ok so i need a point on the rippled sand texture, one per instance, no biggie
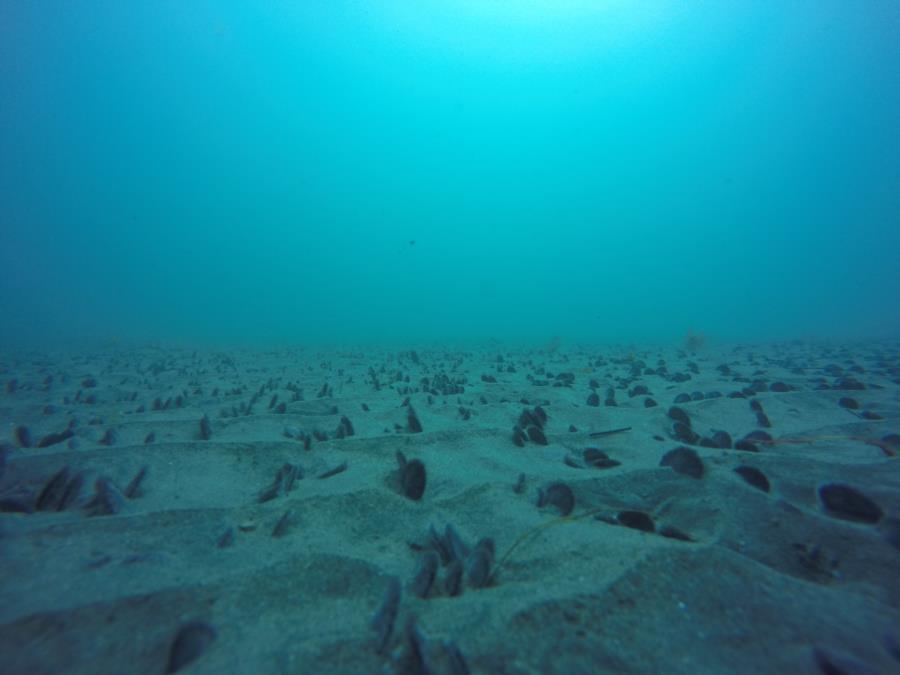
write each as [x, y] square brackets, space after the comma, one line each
[732, 578]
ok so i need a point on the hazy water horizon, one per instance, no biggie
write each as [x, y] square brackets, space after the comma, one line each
[348, 173]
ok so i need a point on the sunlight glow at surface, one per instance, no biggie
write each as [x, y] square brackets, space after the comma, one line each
[540, 11]
[504, 31]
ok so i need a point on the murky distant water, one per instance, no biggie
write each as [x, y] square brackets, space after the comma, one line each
[356, 172]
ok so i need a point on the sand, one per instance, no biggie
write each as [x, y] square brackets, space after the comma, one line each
[767, 582]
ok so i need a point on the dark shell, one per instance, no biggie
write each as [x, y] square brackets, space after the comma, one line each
[891, 642]
[111, 437]
[423, 577]
[834, 663]
[226, 539]
[383, 620]
[518, 437]
[892, 441]
[536, 435]
[205, 428]
[53, 491]
[23, 436]
[340, 468]
[843, 501]
[559, 495]
[519, 487]
[453, 578]
[754, 477]
[457, 546]
[528, 418]
[191, 641]
[413, 424]
[440, 545]
[684, 461]
[599, 459]
[54, 438]
[672, 532]
[478, 564]
[134, 487]
[572, 461]
[676, 414]
[637, 520]
[284, 524]
[72, 492]
[684, 433]
[413, 479]
[593, 455]
[15, 505]
[890, 530]
[758, 436]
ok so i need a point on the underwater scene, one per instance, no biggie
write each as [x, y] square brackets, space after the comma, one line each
[449, 337]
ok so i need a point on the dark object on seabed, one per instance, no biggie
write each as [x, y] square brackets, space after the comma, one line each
[205, 428]
[683, 433]
[226, 539]
[597, 458]
[677, 414]
[413, 424]
[50, 497]
[518, 437]
[753, 477]
[284, 482]
[412, 476]
[478, 563]
[419, 654]
[111, 437]
[191, 642]
[284, 523]
[559, 495]
[684, 461]
[72, 493]
[134, 487]
[636, 520]
[599, 434]
[383, 620]
[536, 435]
[345, 428]
[848, 503]
[23, 436]
[108, 499]
[54, 438]
[425, 573]
[340, 468]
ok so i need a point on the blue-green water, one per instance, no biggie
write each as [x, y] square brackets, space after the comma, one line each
[601, 171]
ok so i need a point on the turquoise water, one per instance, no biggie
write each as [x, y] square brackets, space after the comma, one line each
[351, 172]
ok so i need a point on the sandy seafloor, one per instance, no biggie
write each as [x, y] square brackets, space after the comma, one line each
[768, 582]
